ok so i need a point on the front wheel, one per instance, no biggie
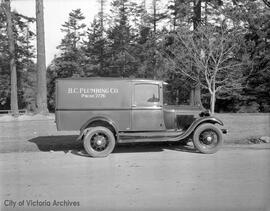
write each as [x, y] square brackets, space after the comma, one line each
[99, 142]
[207, 138]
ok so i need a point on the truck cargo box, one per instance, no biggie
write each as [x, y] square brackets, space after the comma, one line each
[77, 100]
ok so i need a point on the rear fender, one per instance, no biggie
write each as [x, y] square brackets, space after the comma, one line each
[99, 121]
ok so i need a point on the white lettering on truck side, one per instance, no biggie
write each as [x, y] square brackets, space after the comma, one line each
[92, 92]
[113, 90]
[73, 90]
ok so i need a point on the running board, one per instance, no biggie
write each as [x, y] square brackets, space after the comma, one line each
[138, 140]
[150, 137]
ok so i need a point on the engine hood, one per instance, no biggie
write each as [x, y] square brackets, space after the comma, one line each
[184, 109]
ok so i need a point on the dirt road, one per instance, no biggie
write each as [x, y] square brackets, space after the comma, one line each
[146, 178]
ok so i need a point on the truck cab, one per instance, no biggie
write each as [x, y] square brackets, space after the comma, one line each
[108, 111]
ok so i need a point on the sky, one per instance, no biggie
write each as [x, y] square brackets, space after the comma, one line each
[55, 14]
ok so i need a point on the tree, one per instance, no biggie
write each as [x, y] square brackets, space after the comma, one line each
[94, 50]
[214, 57]
[190, 13]
[41, 60]
[71, 61]
[102, 40]
[24, 55]
[4, 62]
[74, 30]
[120, 37]
[179, 13]
[253, 18]
[95, 45]
[257, 87]
[267, 2]
[195, 94]
[156, 17]
[11, 45]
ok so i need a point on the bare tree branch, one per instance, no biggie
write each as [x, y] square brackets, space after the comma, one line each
[267, 3]
[211, 52]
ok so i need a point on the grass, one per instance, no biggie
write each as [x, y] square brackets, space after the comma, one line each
[245, 128]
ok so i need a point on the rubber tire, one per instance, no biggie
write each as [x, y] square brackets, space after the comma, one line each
[197, 143]
[90, 150]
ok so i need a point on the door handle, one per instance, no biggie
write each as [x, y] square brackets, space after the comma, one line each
[134, 105]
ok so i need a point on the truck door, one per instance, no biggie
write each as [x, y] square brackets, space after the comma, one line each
[147, 111]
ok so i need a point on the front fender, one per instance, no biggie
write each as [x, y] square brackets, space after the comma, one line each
[201, 120]
[195, 124]
[208, 119]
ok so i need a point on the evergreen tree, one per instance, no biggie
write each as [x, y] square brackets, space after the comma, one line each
[120, 37]
[74, 30]
[149, 42]
[179, 13]
[95, 45]
[95, 52]
[41, 60]
[5, 6]
[71, 60]
[102, 41]
[24, 54]
[4, 63]
[256, 19]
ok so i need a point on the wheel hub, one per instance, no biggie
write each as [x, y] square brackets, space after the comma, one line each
[99, 142]
[207, 138]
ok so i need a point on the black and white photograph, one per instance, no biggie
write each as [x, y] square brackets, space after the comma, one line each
[135, 105]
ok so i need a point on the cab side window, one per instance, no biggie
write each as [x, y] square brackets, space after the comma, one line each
[146, 94]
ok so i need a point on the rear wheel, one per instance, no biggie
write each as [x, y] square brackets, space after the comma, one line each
[207, 138]
[99, 142]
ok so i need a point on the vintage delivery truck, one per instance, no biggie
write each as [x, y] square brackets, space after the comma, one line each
[108, 111]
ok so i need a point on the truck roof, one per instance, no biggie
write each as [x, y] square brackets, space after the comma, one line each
[114, 79]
